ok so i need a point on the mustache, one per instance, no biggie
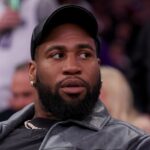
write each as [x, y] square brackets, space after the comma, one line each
[73, 81]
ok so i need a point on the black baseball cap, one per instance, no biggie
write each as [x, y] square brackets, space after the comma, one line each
[66, 14]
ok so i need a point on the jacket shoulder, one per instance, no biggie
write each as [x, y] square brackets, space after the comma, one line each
[16, 119]
[117, 135]
[122, 126]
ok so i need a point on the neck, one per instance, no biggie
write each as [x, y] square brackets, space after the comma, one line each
[40, 112]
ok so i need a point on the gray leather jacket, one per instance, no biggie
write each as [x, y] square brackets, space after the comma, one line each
[98, 132]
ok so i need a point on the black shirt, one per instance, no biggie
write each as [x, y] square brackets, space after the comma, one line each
[27, 139]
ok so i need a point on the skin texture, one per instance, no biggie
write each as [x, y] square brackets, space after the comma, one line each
[67, 58]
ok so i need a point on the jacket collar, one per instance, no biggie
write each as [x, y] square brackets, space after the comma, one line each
[95, 121]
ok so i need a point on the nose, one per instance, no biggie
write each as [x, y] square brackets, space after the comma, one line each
[71, 66]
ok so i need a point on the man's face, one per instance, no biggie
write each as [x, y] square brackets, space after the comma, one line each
[22, 92]
[66, 71]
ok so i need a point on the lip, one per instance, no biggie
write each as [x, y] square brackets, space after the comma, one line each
[72, 86]
[73, 90]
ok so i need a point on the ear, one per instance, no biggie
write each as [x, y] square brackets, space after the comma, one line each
[32, 72]
[99, 61]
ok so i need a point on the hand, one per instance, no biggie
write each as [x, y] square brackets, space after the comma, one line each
[9, 20]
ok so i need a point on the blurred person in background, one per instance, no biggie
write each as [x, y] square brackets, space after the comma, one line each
[22, 91]
[121, 22]
[117, 96]
[17, 20]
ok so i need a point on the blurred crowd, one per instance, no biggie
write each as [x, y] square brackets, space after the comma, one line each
[125, 40]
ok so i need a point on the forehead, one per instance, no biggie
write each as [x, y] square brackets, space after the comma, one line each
[21, 81]
[66, 35]
[21, 77]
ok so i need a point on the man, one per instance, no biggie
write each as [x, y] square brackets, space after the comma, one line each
[65, 72]
[22, 92]
[16, 23]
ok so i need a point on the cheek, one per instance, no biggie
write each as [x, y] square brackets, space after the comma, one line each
[47, 74]
[92, 74]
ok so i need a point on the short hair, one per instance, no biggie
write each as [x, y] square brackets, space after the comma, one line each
[22, 66]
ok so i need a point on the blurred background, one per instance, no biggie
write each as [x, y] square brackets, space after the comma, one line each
[125, 45]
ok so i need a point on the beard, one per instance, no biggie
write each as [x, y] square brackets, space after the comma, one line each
[55, 104]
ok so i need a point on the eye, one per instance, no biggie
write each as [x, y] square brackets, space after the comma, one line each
[57, 55]
[26, 94]
[85, 55]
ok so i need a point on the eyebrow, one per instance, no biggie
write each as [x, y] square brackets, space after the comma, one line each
[58, 47]
[83, 46]
[63, 48]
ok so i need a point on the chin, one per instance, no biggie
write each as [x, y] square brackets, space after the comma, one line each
[73, 99]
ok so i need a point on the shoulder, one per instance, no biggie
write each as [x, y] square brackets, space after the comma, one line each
[125, 135]
[15, 120]
[117, 134]
[123, 127]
